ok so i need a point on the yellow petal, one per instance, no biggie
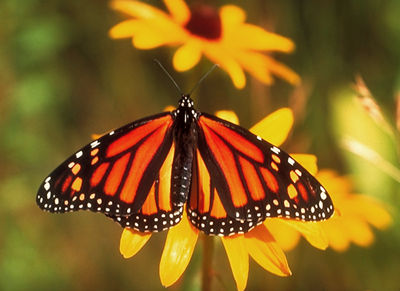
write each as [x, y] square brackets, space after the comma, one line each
[338, 186]
[179, 10]
[137, 9]
[312, 231]
[263, 248]
[255, 63]
[260, 39]
[150, 36]
[169, 108]
[238, 259]
[94, 136]
[228, 115]
[372, 211]
[178, 250]
[359, 232]
[275, 127]
[231, 17]
[219, 56]
[338, 239]
[283, 71]
[187, 56]
[127, 28]
[152, 28]
[132, 242]
[285, 236]
[309, 162]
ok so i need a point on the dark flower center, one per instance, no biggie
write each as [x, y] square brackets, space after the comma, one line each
[204, 22]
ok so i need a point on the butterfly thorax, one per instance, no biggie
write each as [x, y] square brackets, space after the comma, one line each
[185, 140]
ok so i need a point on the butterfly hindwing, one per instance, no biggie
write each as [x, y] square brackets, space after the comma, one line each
[253, 180]
[119, 174]
[205, 209]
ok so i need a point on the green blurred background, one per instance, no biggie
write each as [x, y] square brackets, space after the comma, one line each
[62, 78]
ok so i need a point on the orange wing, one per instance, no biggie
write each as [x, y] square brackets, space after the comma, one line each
[240, 180]
[125, 174]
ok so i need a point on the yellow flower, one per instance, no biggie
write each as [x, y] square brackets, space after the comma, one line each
[355, 213]
[258, 243]
[351, 223]
[222, 36]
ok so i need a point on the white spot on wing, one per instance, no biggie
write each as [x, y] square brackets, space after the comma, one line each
[95, 144]
[275, 150]
[290, 161]
[46, 186]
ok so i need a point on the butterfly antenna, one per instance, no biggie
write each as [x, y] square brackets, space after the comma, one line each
[203, 77]
[169, 76]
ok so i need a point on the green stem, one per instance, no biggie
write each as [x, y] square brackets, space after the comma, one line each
[208, 250]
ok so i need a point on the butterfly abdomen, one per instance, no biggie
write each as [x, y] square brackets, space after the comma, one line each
[181, 179]
[185, 140]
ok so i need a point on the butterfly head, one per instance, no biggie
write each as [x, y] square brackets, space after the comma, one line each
[186, 101]
[185, 110]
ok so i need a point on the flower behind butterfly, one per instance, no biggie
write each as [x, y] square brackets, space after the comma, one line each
[221, 35]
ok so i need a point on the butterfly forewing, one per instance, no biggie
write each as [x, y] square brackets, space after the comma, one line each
[157, 212]
[253, 180]
[119, 174]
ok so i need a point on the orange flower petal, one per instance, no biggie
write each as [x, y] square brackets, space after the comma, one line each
[152, 28]
[95, 136]
[309, 162]
[260, 39]
[275, 127]
[359, 232]
[228, 63]
[231, 17]
[312, 231]
[228, 115]
[263, 248]
[238, 259]
[339, 186]
[149, 36]
[341, 231]
[137, 9]
[338, 239]
[283, 71]
[125, 29]
[132, 242]
[372, 211]
[178, 250]
[187, 56]
[179, 10]
[256, 64]
[169, 108]
[286, 236]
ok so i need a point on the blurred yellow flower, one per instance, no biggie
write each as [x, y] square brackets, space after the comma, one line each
[222, 36]
[355, 214]
[258, 243]
[351, 223]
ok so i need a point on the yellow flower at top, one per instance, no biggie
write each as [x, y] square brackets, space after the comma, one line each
[221, 35]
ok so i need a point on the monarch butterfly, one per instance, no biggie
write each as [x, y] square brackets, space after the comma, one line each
[146, 173]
